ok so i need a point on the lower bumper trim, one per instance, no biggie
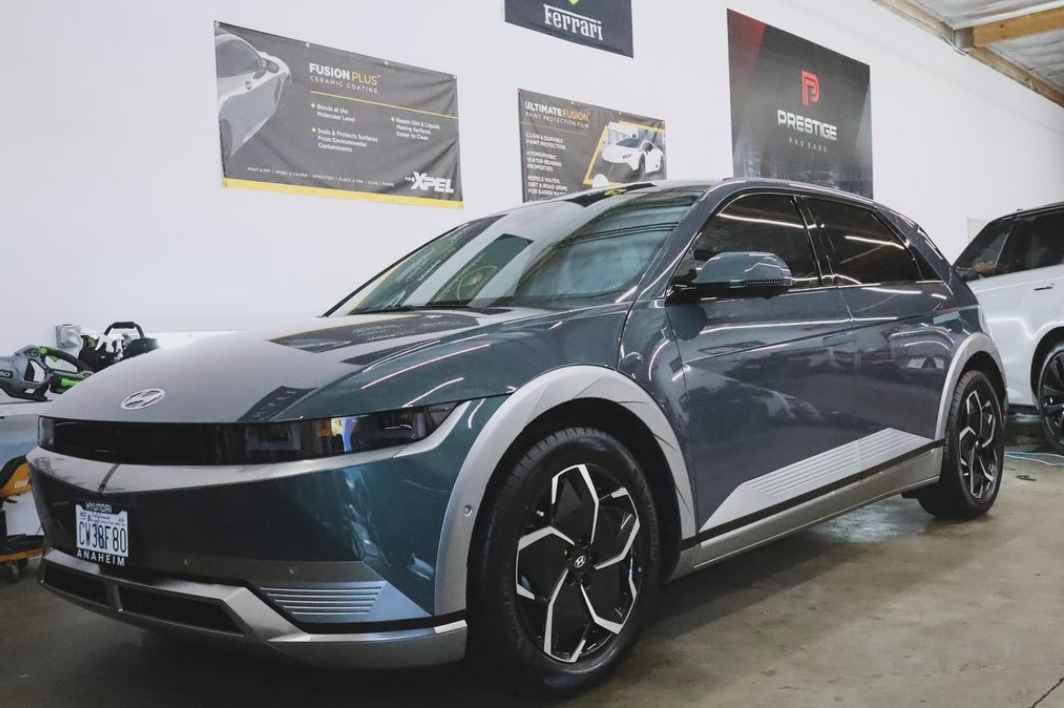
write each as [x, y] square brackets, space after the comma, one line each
[236, 614]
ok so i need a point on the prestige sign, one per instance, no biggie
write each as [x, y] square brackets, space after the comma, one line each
[603, 24]
[799, 111]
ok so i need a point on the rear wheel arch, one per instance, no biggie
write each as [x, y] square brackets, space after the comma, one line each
[1048, 342]
[545, 401]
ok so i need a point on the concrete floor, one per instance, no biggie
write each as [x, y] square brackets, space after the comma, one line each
[883, 607]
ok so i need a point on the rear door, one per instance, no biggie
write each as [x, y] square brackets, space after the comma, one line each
[902, 319]
[1020, 286]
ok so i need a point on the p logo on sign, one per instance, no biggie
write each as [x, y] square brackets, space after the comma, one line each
[810, 88]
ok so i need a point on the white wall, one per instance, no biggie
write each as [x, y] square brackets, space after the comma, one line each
[111, 204]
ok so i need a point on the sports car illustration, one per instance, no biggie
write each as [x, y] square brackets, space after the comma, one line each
[500, 446]
[642, 156]
[250, 86]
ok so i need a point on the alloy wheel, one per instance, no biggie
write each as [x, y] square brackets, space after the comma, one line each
[578, 568]
[977, 443]
[1051, 397]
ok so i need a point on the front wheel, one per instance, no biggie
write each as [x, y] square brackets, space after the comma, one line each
[974, 453]
[1051, 398]
[565, 565]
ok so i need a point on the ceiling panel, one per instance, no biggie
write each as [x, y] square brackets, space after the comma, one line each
[965, 13]
[1041, 54]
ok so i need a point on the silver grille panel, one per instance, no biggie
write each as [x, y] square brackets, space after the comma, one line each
[327, 602]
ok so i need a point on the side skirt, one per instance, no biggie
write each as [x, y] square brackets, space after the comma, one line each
[905, 475]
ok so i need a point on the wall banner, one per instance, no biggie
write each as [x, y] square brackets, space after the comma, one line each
[569, 147]
[296, 117]
[603, 24]
[799, 111]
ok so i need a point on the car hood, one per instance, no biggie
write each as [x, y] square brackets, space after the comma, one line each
[618, 153]
[349, 365]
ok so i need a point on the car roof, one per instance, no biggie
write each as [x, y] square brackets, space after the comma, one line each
[1058, 206]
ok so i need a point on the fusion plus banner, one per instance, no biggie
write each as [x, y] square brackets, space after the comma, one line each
[799, 111]
[296, 117]
[603, 24]
[569, 147]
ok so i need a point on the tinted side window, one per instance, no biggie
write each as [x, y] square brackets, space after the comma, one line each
[762, 224]
[862, 249]
[980, 258]
[1039, 244]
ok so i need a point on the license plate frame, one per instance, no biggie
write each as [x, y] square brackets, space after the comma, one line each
[102, 532]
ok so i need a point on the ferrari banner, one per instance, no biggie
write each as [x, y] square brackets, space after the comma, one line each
[569, 147]
[296, 117]
[603, 24]
[799, 111]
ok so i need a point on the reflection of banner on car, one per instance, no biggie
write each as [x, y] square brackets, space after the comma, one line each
[568, 146]
[799, 111]
[298, 118]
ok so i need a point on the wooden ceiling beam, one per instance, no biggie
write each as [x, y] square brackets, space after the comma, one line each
[1017, 27]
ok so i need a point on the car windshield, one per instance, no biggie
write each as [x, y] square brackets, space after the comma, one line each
[591, 248]
[628, 142]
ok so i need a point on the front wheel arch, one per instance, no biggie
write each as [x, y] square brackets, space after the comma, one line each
[535, 398]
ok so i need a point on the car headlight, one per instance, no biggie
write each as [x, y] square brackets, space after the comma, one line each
[238, 443]
[372, 431]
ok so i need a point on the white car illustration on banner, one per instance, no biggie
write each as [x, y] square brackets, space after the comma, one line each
[250, 85]
[641, 155]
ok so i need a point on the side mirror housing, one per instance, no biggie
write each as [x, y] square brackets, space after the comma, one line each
[272, 67]
[740, 274]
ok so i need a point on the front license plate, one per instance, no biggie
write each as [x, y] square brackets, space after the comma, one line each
[102, 532]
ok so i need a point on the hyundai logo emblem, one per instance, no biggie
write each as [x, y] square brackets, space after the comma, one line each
[579, 562]
[143, 399]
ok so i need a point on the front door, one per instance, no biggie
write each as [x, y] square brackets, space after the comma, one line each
[768, 379]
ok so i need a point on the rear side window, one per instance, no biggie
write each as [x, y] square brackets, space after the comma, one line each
[758, 224]
[980, 259]
[861, 247]
[1038, 243]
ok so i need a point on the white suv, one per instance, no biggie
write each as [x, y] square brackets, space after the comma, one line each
[1015, 266]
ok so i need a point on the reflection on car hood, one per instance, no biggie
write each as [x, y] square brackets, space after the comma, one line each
[348, 365]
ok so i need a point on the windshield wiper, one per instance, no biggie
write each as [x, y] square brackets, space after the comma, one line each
[446, 305]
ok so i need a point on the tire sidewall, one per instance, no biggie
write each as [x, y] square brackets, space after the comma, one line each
[497, 629]
[952, 473]
[1056, 443]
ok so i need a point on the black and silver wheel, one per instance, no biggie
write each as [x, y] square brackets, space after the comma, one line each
[1051, 398]
[974, 452]
[566, 563]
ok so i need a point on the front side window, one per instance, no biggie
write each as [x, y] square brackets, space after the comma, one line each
[862, 249]
[1038, 243]
[756, 224]
[585, 250]
[982, 256]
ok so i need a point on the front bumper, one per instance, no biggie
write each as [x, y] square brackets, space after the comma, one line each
[238, 616]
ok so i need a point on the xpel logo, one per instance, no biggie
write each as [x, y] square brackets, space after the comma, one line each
[422, 181]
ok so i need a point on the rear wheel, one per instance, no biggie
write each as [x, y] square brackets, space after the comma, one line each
[565, 566]
[974, 453]
[1051, 398]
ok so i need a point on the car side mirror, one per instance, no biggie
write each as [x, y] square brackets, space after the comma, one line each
[740, 274]
[272, 67]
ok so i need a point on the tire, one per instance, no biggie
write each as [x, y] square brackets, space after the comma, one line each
[544, 553]
[10, 573]
[974, 453]
[1050, 399]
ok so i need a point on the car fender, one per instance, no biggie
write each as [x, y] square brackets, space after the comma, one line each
[972, 345]
[522, 407]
